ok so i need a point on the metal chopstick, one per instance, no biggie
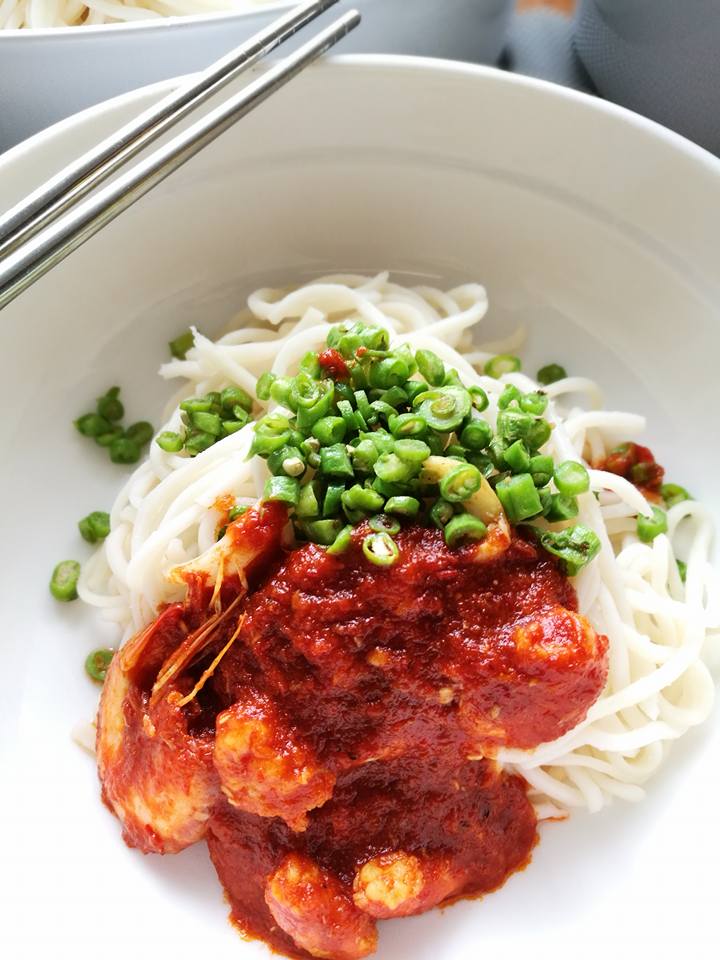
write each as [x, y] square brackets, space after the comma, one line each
[41, 253]
[57, 195]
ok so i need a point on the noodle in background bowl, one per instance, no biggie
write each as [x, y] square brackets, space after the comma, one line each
[594, 228]
[48, 74]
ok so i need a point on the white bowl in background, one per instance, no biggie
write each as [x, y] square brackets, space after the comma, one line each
[46, 75]
[570, 211]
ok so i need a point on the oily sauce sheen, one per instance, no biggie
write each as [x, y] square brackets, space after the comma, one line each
[352, 725]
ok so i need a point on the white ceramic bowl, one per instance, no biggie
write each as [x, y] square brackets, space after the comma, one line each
[597, 229]
[46, 75]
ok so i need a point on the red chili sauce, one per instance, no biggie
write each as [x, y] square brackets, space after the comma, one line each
[638, 465]
[353, 723]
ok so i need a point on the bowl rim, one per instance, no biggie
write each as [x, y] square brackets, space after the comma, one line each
[400, 63]
[80, 31]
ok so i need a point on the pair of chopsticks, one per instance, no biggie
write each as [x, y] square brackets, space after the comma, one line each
[59, 216]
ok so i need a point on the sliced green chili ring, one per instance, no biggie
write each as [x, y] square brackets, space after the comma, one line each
[364, 456]
[444, 409]
[517, 457]
[141, 432]
[431, 367]
[310, 364]
[390, 468]
[380, 549]
[308, 504]
[650, 527]
[332, 501]
[464, 526]
[389, 489]
[519, 497]
[501, 364]
[541, 468]
[97, 664]
[551, 374]
[363, 405]
[323, 532]
[197, 405]
[282, 489]
[105, 439]
[234, 513]
[180, 345]
[441, 513]
[673, 493]
[560, 507]
[412, 451]
[407, 425]
[124, 450]
[110, 405]
[287, 457]
[198, 441]
[95, 526]
[395, 396]
[384, 524]
[514, 425]
[391, 372]
[280, 390]
[207, 423]
[476, 434]
[384, 441]
[169, 441]
[482, 461]
[413, 388]
[575, 547]
[534, 403]
[335, 462]
[64, 580]
[479, 398]
[231, 426]
[456, 451]
[93, 425]
[341, 542]
[460, 484]
[571, 478]
[263, 386]
[236, 397]
[330, 430]
[510, 394]
[362, 499]
[379, 407]
[539, 434]
[348, 415]
[403, 506]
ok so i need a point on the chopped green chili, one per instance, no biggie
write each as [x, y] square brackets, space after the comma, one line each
[464, 527]
[571, 478]
[95, 526]
[180, 345]
[97, 664]
[501, 364]
[169, 441]
[341, 542]
[672, 493]
[64, 579]
[380, 549]
[650, 527]
[384, 524]
[551, 373]
[575, 547]
[519, 497]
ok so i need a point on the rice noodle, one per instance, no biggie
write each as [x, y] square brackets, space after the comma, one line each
[41, 14]
[659, 628]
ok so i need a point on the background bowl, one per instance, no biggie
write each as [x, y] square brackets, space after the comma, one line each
[597, 229]
[46, 75]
